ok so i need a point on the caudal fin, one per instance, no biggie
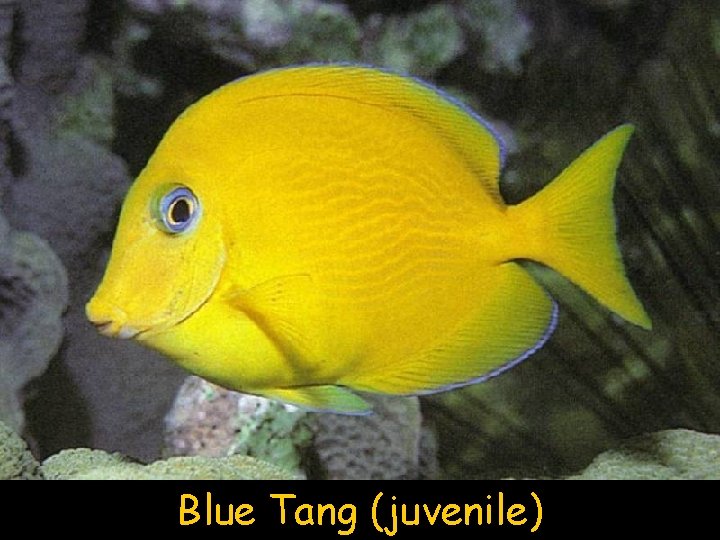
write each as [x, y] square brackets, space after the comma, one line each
[573, 227]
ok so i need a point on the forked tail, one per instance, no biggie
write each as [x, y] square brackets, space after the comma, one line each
[570, 226]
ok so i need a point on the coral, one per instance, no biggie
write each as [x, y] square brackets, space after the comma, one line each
[253, 34]
[61, 182]
[87, 108]
[76, 462]
[207, 420]
[7, 93]
[33, 296]
[51, 35]
[666, 455]
[87, 464]
[384, 445]
[7, 89]
[16, 461]
[608, 4]
[231, 468]
[322, 31]
[266, 25]
[7, 16]
[503, 31]
[128, 81]
[68, 193]
[420, 43]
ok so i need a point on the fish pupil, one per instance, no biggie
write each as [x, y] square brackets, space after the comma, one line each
[176, 210]
[180, 211]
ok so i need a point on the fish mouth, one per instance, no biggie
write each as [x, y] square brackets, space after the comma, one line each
[119, 331]
[113, 321]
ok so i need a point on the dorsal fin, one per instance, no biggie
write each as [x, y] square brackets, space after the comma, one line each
[467, 132]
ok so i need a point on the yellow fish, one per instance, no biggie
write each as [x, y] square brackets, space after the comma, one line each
[308, 231]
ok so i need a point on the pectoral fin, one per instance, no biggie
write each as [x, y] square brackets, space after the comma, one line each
[285, 308]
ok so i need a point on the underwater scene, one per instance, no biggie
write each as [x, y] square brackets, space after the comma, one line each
[461, 239]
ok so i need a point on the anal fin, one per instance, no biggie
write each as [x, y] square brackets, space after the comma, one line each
[321, 398]
[514, 318]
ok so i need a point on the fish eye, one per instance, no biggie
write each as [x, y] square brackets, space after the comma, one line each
[178, 210]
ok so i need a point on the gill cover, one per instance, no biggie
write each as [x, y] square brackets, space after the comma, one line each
[167, 257]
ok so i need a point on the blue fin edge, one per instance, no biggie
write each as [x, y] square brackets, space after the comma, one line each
[506, 366]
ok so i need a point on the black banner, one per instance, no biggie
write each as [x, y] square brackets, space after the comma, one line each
[403, 510]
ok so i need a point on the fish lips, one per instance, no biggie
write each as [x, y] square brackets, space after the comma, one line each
[115, 326]
[112, 329]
